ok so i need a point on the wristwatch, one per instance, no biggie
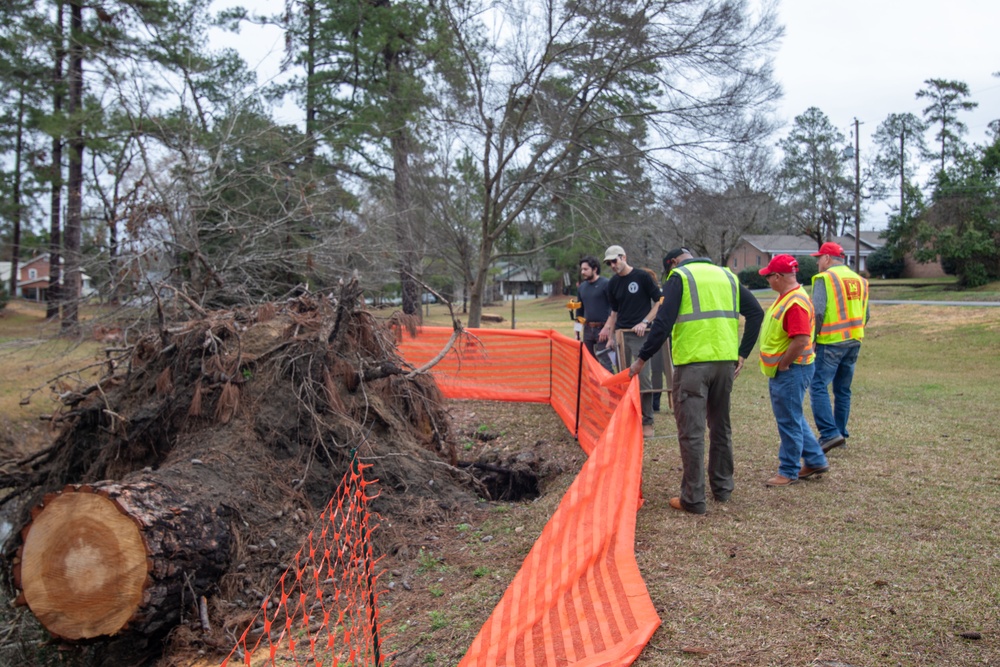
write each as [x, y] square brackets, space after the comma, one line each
[646, 322]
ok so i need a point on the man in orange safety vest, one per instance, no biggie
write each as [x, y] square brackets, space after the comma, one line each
[840, 299]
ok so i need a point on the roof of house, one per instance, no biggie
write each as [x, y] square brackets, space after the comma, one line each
[787, 244]
[36, 259]
[782, 244]
[874, 239]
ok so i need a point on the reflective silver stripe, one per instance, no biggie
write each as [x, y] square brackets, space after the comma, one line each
[696, 312]
[849, 324]
[840, 295]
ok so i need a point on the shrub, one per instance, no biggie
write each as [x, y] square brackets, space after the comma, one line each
[807, 269]
[751, 277]
[881, 263]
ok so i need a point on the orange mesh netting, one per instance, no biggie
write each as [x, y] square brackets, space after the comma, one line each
[324, 609]
[579, 598]
[529, 366]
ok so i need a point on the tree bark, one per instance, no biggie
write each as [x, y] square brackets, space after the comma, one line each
[70, 294]
[55, 206]
[100, 559]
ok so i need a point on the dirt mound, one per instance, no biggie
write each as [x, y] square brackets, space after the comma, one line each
[257, 413]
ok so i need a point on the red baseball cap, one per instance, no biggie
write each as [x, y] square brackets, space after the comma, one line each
[780, 264]
[830, 248]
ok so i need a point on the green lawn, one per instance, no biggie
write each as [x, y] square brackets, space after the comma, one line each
[933, 289]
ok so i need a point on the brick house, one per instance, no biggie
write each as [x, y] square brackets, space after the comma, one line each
[33, 279]
[757, 250]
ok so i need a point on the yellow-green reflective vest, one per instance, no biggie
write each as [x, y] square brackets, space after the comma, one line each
[707, 322]
[846, 305]
[774, 339]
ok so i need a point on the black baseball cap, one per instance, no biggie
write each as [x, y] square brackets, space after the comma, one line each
[672, 255]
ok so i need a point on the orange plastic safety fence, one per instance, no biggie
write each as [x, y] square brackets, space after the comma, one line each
[579, 598]
[528, 366]
[323, 611]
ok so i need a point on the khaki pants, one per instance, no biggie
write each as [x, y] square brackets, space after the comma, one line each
[633, 344]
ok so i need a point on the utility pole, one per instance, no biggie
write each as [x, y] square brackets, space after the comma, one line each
[902, 170]
[857, 199]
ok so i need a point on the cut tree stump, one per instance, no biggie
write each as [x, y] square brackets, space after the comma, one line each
[97, 559]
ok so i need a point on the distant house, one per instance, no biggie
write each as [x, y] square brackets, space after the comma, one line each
[5, 269]
[519, 281]
[914, 269]
[33, 279]
[758, 250]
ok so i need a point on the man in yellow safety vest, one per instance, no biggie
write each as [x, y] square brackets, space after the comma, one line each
[786, 358]
[840, 299]
[700, 312]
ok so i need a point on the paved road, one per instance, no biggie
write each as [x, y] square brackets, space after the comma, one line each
[889, 302]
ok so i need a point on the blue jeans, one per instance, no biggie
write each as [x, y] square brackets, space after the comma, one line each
[834, 364]
[788, 391]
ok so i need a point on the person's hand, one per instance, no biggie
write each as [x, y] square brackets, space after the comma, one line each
[739, 367]
[604, 335]
[640, 329]
[635, 367]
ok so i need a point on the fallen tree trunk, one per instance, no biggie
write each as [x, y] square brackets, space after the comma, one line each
[99, 559]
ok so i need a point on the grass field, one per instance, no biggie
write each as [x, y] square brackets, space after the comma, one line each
[891, 558]
[887, 559]
[934, 289]
[32, 354]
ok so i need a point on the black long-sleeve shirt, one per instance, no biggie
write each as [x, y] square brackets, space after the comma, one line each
[666, 317]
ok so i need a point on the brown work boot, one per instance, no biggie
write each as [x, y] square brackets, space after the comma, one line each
[676, 503]
[833, 443]
[647, 431]
[809, 472]
[780, 480]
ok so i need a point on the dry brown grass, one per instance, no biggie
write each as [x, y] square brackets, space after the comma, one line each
[31, 354]
[885, 560]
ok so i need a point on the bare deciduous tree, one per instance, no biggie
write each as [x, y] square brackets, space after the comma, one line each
[560, 89]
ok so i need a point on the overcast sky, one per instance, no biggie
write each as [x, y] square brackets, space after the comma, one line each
[866, 59]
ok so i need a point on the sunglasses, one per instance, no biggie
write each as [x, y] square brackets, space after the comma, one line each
[610, 262]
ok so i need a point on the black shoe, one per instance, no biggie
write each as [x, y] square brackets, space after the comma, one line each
[832, 443]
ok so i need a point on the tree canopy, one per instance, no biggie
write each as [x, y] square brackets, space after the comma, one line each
[439, 140]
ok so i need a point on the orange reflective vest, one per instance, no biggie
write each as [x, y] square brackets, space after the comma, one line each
[774, 340]
[846, 305]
